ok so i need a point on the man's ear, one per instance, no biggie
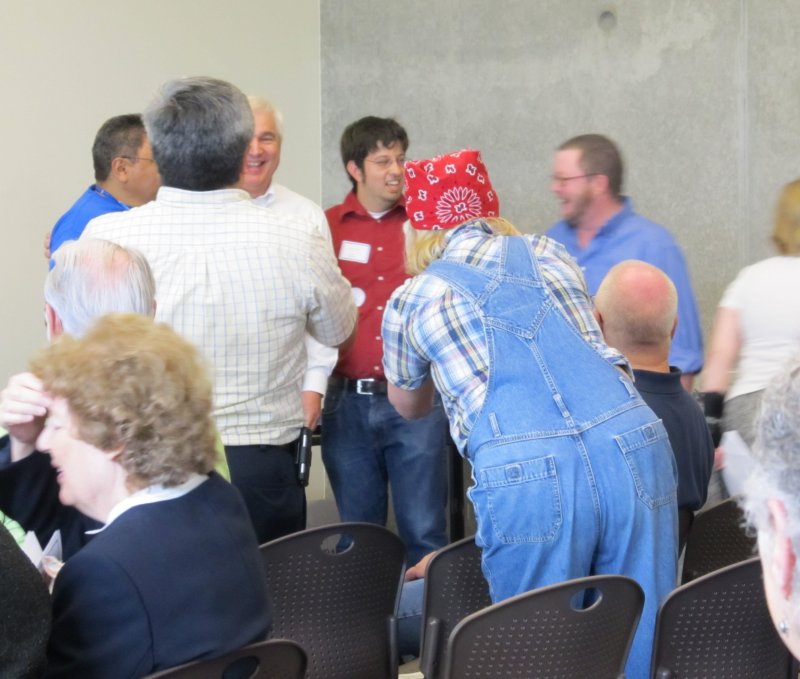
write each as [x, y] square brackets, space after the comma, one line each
[783, 556]
[674, 328]
[600, 184]
[53, 322]
[354, 171]
[119, 169]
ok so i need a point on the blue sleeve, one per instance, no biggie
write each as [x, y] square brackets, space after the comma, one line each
[687, 345]
[100, 625]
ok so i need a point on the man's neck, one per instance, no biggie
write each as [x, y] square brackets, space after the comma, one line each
[373, 204]
[644, 360]
[595, 218]
[117, 191]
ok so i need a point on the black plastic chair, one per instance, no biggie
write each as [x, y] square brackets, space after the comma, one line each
[542, 635]
[716, 539]
[334, 590]
[454, 588]
[274, 659]
[719, 626]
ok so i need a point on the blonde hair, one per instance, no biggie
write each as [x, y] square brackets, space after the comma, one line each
[786, 232]
[137, 387]
[423, 247]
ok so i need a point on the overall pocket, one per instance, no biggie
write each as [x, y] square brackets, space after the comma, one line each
[523, 499]
[650, 460]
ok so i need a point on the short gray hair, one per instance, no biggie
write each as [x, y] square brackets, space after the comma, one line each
[260, 104]
[92, 278]
[776, 456]
[199, 129]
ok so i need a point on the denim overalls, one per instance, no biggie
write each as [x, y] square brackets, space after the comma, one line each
[573, 474]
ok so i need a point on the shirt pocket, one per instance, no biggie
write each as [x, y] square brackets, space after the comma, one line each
[523, 500]
[651, 463]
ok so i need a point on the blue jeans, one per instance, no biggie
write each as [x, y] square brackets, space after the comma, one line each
[367, 445]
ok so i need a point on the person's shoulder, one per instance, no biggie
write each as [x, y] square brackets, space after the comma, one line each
[558, 230]
[645, 227]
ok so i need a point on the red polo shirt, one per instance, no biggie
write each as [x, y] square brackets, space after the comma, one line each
[370, 253]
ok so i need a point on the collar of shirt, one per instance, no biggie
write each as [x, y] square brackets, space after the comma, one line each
[618, 218]
[100, 191]
[146, 496]
[169, 194]
[352, 205]
[268, 198]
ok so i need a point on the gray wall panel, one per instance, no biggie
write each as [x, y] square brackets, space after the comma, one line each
[701, 96]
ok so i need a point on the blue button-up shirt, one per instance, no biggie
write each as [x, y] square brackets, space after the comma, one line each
[628, 235]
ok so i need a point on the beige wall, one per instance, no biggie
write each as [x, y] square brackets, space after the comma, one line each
[68, 66]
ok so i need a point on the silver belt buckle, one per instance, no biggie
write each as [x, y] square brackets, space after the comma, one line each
[361, 384]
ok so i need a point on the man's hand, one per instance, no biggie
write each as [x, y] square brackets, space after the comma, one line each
[417, 571]
[23, 408]
[312, 408]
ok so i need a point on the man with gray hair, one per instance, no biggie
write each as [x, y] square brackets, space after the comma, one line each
[243, 283]
[90, 278]
[636, 307]
[260, 164]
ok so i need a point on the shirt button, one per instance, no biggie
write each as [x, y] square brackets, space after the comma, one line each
[380, 308]
[380, 248]
[378, 337]
[376, 368]
[380, 278]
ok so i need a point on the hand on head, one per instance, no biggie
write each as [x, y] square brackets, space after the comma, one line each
[23, 408]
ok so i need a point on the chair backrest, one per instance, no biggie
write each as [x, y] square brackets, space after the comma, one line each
[274, 659]
[335, 589]
[548, 633]
[719, 626]
[454, 587]
[716, 539]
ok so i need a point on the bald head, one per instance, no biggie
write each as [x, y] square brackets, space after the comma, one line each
[637, 308]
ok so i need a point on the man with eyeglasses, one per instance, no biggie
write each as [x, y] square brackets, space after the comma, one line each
[366, 444]
[600, 229]
[126, 176]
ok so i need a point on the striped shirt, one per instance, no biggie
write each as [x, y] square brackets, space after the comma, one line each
[426, 318]
[244, 284]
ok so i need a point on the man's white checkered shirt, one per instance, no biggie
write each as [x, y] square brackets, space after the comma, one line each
[244, 284]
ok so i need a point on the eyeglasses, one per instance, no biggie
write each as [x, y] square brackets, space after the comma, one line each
[563, 180]
[386, 163]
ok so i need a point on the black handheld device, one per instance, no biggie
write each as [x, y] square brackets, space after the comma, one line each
[303, 459]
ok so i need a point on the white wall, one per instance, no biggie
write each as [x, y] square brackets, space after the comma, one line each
[68, 66]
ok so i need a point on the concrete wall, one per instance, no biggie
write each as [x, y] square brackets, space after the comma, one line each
[702, 97]
[68, 66]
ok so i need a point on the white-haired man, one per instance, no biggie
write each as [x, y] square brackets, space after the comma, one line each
[260, 164]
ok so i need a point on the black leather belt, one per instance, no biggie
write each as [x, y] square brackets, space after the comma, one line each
[364, 387]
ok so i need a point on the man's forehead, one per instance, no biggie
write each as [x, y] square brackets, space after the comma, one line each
[393, 147]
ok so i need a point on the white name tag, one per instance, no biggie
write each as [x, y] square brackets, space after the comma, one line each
[351, 251]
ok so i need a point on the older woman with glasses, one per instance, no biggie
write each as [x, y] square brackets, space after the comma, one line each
[174, 574]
